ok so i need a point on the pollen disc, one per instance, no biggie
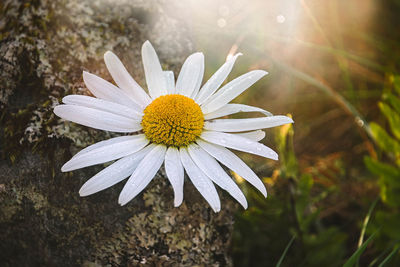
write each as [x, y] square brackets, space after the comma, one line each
[173, 120]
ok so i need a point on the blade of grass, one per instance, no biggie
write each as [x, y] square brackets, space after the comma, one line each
[379, 257]
[356, 255]
[389, 257]
[382, 254]
[285, 251]
[366, 220]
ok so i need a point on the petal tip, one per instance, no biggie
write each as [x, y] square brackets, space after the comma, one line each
[122, 200]
[86, 76]
[68, 166]
[198, 54]
[56, 110]
[82, 192]
[65, 168]
[147, 45]
[177, 204]
[108, 54]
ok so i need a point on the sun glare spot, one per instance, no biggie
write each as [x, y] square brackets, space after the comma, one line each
[221, 22]
[280, 18]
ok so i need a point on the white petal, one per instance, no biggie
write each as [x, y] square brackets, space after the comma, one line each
[175, 173]
[170, 81]
[239, 143]
[106, 151]
[97, 119]
[242, 125]
[152, 68]
[114, 173]
[214, 171]
[107, 142]
[254, 135]
[229, 109]
[216, 80]
[233, 162]
[143, 174]
[104, 105]
[200, 180]
[232, 90]
[191, 75]
[100, 88]
[124, 80]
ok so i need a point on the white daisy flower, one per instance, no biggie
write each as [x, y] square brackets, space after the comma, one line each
[174, 124]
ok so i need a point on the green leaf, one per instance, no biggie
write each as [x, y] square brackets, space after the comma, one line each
[390, 194]
[285, 251]
[383, 139]
[393, 100]
[392, 117]
[389, 173]
[356, 255]
[396, 83]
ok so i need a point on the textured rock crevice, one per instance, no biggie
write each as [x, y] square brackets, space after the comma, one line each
[44, 47]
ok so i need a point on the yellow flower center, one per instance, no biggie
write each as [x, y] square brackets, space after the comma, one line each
[173, 120]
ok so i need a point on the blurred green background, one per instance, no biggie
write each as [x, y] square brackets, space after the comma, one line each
[334, 196]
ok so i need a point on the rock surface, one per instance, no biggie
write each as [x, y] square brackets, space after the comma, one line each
[44, 47]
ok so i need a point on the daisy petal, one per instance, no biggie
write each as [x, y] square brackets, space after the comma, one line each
[229, 109]
[104, 105]
[100, 88]
[254, 135]
[191, 75]
[144, 173]
[114, 173]
[105, 151]
[214, 171]
[233, 162]
[152, 68]
[232, 90]
[241, 125]
[97, 119]
[107, 142]
[170, 81]
[175, 173]
[239, 143]
[124, 80]
[200, 180]
[216, 80]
